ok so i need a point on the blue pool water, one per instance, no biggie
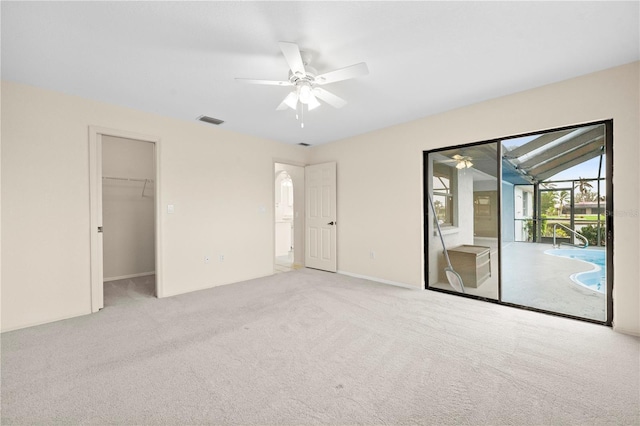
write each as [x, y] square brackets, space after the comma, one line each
[594, 279]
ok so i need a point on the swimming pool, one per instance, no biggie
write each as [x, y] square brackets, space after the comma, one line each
[596, 278]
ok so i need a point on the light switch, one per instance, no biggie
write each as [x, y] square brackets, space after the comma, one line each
[170, 209]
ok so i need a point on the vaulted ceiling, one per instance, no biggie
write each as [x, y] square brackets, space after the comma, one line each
[180, 59]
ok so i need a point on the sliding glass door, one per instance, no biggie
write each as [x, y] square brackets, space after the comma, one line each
[521, 221]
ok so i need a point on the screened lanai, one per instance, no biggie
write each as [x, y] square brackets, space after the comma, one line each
[560, 177]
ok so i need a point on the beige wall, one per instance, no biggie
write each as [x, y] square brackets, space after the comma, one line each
[220, 182]
[380, 175]
[128, 215]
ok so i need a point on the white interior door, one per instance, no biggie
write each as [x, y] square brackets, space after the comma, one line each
[320, 189]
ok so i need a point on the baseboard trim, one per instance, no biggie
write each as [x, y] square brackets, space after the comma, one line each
[208, 287]
[124, 277]
[47, 321]
[379, 280]
[625, 331]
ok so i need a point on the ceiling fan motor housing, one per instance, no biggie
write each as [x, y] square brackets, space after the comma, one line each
[310, 76]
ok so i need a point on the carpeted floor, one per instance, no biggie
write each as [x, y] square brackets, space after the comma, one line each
[308, 347]
[129, 290]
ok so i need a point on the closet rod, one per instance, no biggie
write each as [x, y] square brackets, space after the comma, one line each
[126, 178]
[146, 181]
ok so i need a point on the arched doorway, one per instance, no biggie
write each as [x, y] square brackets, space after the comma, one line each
[289, 217]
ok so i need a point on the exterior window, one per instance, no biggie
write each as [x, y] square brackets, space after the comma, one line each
[443, 193]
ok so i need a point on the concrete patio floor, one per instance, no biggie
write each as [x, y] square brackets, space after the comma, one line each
[535, 279]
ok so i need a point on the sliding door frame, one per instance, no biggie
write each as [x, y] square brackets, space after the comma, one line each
[609, 222]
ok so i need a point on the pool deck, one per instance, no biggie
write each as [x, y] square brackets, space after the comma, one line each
[532, 278]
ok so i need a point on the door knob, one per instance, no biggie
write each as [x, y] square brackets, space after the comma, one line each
[331, 223]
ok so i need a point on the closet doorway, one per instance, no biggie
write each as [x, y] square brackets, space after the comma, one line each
[289, 217]
[128, 219]
[124, 217]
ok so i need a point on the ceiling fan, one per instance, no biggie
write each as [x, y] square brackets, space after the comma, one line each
[462, 161]
[306, 81]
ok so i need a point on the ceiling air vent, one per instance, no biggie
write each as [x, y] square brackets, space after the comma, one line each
[210, 120]
[304, 144]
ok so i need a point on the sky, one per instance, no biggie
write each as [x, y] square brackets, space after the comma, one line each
[588, 169]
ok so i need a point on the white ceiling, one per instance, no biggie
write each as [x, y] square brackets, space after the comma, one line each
[180, 59]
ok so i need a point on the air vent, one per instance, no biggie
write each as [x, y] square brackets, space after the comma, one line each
[210, 120]
[304, 144]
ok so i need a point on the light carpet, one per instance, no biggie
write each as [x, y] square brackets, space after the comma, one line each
[309, 347]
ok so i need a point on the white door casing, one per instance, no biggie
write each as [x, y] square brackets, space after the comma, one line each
[95, 190]
[320, 214]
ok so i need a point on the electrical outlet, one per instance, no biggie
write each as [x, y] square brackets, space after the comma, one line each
[207, 259]
[222, 258]
[372, 254]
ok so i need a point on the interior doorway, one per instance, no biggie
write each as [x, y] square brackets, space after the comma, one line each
[289, 216]
[125, 237]
[128, 218]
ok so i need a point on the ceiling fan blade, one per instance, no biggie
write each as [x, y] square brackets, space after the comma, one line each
[265, 82]
[330, 98]
[290, 101]
[345, 73]
[291, 53]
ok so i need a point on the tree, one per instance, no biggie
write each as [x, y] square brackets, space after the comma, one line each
[560, 199]
[586, 197]
[585, 191]
[546, 201]
[584, 186]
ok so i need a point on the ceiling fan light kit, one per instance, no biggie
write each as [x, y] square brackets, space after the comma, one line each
[462, 161]
[464, 164]
[305, 81]
[304, 93]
